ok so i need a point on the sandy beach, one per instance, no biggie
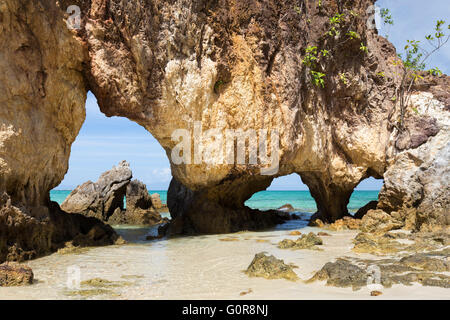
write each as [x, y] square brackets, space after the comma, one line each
[202, 267]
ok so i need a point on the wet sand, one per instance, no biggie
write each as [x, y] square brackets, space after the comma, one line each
[201, 267]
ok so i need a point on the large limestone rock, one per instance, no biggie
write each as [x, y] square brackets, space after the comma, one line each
[416, 189]
[221, 65]
[100, 199]
[24, 237]
[269, 267]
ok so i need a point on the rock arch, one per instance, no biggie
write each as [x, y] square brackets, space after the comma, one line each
[235, 65]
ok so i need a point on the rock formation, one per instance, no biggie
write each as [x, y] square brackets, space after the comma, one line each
[270, 267]
[100, 199]
[104, 199]
[141, 210]
[205, 67]
[14, 274]
[23, 236]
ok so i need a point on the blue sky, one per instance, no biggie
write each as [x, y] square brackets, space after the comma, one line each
[103, 142]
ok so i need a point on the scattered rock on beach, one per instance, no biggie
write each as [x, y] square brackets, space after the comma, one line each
[346, 223]
[243, 293]
[426, 262]
[270, 267]
[309, 241]
[342, 273]
[14, 274]
[295, 233]
[376, 293]
[426, 268]
[323, 234]
[103, 283]
[376, 244]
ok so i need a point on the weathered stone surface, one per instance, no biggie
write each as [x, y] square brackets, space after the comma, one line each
[141, 209]
[386, 243]
[100, 199]
[156, 202]
[23, 237]
[192, 213]
[137, 197]
[342, 273]
[270, 267]
[346, 223]
[287, 207]
[147, 217]
[14, 274]
[228, 65]
[426, 262]
[372, 205]
[357, 273]
[376, 244]
[309, 241]
[380, 221]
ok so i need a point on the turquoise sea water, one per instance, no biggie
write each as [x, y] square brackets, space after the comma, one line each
[300, 200]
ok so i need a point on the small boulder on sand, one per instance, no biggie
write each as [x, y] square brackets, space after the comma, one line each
[14, 274]
[270, 267]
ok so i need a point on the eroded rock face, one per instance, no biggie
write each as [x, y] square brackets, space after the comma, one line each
[192, 212]
[24, 237]
[137, 196]
[14, 274]
[424, 268]
[100, 199]
[270, 267]
[221, 65]
[416, 189]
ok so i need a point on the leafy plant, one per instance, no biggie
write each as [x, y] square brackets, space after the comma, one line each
[343, 78]
[353, 35]
[310, 58]
[317, 78]
[435, 71]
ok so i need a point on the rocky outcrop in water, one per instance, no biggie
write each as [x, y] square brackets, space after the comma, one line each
[104, 199]
[137, 197]
[100, 199]
[309, 241]
[215, 66]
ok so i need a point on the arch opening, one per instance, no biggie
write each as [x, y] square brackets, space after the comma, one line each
[364, 197]
[103, 143]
